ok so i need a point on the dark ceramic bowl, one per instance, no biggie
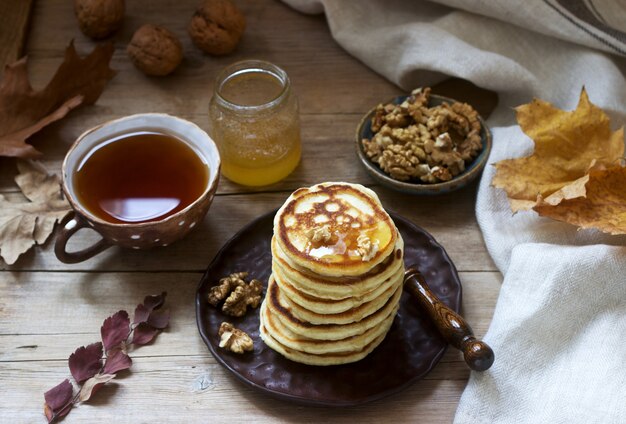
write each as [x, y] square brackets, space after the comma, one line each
[473, 170]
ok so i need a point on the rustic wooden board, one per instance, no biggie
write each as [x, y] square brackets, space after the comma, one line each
[55, 314]
[328, 151]
[447, 217]
[14, 20]
[55, 311]
[195, 390]
[47, 308]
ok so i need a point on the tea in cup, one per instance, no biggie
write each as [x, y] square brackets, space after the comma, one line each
[141, 181]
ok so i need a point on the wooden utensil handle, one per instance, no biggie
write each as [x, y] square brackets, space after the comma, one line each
[478, 355]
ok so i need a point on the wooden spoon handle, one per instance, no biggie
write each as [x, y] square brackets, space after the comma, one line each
[478, 355]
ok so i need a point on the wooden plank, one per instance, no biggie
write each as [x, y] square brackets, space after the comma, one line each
[326, 93]
[188, 390]
[328, 151]
[47, 309]
[45, 316]
[446, 217]
[323, 75]
[14, 20]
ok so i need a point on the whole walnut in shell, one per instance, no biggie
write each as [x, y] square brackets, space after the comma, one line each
[155, 50]
[217, 26]
[99, 18]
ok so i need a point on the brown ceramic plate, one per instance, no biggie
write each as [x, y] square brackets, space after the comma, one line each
[410, 350]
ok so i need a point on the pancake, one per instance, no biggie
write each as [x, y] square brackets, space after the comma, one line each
[335, 229]
[345, 317]
[335, 358]
[290, 340]
[337, 275]
[279, 309]
[336, 288]
[326, 306]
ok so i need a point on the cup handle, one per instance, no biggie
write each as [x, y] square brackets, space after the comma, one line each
[477, 354]
[68, 227]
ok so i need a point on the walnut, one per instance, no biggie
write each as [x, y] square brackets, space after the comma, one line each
[471, 145]
[366, 248]
[99, 18]
[319, 236]
[440, 173]
[217, 26]
[442, 153]
[377, 119]
[401, 162]
[234, 339]
[412, 141]
[238, 294]
[420, 97]
[225, 286]
[155, 50]
[237, 302]
[397, 117]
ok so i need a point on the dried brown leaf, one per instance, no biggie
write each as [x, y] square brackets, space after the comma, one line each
[22, 224]
[115, 330]
[601, 206]
[150, 303]
[143, 334]
[58, 400]
[117, 361]
[85, 362]
[159, 319]
[567, 144]
[91, 386]
[24, 111]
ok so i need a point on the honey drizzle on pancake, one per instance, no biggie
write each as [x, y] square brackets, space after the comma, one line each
[344, 280]
[346, 223]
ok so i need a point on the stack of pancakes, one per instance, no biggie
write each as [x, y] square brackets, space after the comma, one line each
[337, 274]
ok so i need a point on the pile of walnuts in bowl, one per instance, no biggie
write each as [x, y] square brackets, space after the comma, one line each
[414, 142]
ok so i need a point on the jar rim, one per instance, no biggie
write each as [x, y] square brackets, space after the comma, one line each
[251, 65]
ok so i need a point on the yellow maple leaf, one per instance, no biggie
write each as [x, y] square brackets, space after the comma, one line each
[601, 205]
[567, 144]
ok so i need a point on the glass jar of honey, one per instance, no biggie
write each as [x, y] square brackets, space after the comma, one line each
[255, 123]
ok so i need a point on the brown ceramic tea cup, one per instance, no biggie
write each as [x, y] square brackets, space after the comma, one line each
[134, 235]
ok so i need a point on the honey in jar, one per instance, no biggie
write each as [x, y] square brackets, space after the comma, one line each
[255, 123]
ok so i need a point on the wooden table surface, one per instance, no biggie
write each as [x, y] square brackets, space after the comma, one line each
[48, 309]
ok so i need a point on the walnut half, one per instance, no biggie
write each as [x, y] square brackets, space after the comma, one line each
[237, 302]
[366, 248]
[236, 294]
[319, 236]
[234, 339]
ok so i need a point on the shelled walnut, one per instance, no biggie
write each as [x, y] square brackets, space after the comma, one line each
[234, 339]
[319, 236]
[236, 294]
[413, 141]
[366, 248]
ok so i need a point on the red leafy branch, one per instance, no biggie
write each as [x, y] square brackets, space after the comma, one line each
[94, 365]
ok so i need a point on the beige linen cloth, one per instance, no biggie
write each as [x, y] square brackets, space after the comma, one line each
[559, 328]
